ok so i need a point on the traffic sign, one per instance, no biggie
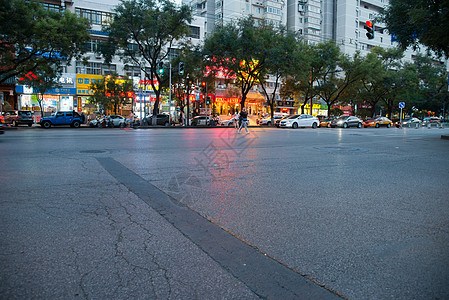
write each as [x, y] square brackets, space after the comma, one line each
[401, 104]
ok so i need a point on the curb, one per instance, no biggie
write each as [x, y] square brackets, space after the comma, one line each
[445, 137]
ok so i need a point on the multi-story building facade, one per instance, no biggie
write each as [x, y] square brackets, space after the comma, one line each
[77, 76]
[342, 21]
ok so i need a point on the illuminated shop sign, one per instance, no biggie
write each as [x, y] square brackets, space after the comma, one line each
[83, 82]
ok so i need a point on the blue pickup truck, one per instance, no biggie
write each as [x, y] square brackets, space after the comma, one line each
[71, 118]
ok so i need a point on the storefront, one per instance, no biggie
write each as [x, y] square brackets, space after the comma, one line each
[83, 91]
[59, 99]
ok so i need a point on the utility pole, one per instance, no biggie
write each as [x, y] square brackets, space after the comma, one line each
[169, 96]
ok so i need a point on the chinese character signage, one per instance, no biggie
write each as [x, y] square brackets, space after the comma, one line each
[83, 82]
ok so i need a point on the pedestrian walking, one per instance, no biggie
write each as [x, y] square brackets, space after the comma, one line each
[244, 120]
[236, 120]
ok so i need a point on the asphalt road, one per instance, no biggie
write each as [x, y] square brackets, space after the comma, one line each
[212, 214]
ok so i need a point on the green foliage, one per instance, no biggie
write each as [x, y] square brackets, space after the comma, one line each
[143, 32]
[335, 112]
[194, 63]
[239, 49]
[111, 92]
[419, 21]
[278, 45]
[27, 31]
[45, 78]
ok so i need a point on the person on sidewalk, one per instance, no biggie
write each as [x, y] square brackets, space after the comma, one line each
[236, 119]
[244, 120]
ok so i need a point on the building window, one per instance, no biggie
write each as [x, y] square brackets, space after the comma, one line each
[109, 69]
[195, 32]
[134, 49]
[94, 16]
[52, 7]
[173, 53]
[132, 71]
[92, 45]
[94, 68]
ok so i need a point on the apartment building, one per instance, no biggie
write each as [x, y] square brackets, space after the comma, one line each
[77, 77]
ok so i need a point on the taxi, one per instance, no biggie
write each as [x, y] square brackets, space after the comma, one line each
[378, 122]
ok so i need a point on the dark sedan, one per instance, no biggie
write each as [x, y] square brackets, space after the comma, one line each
[161, 119]
[346, 122]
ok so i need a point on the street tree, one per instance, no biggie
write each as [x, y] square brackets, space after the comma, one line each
[32, 37]
[319, 63]
[278, 44]
[338, 75]
[112, 92]
[299, 82]
[183, 84]
[393, 73]
[431, 91]
[419, 21]
[143, 33]
[379, 69]
[237, 51]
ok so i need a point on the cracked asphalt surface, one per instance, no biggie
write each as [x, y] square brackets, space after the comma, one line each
[357, 213]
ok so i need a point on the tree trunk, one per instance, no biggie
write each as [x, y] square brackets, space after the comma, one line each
[242, 102]
[303, 107]
[40, 105]
[155, 111]
[272, 112]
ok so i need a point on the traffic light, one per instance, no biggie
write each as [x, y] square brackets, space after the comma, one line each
[161, 68]
[181, 68]
[369, 30]
[207, 100]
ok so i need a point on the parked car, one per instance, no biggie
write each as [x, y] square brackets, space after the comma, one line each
[117, 121]
[296, 121]
[200, 121]
[19, 117]
[109, 121]
[378, 122]
[161, 119]
[2, 125]
[431, 120]
[267, 120]
[62, 118]
[409, 122]
[326, 122]
[229, 122]
[346, 122]
[277, 123]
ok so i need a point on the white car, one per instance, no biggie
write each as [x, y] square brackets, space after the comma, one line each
[296, 121]
[412, 122]
[112, 121]
[267, 121]
[229, 122]
[118, 121]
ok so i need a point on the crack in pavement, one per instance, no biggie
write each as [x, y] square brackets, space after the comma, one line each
[261, 273]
